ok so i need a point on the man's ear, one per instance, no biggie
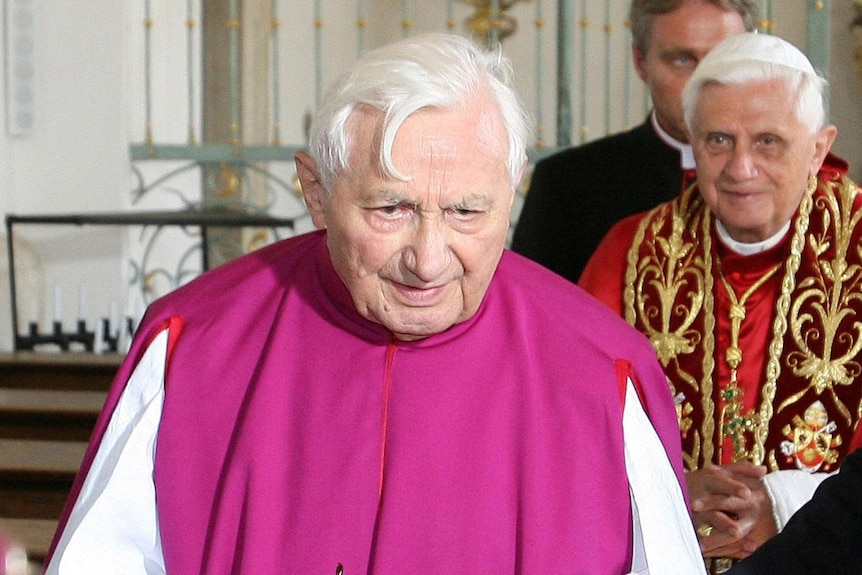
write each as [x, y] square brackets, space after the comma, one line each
[639, 58]
[822, 144]
[312, 189]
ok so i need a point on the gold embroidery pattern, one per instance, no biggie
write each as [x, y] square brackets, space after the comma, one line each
[822, 320]
[683, 410]
[779, 328]
[708, 362]
[671, 267]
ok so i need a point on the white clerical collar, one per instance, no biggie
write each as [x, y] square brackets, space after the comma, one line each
[749, 249]
[686, 154]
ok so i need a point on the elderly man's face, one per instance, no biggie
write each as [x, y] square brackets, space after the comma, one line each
[754, 156]
[679, 40]
[417, 256]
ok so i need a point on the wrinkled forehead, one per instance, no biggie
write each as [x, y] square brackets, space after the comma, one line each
[776, 89]
[364, 130]
[471, 129]
[784, 95]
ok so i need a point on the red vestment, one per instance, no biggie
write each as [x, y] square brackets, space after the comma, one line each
[801, 340]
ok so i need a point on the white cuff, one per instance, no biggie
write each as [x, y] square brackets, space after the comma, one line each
[789, 490]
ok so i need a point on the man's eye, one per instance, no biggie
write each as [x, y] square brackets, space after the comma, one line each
[464, 214]
[391, 210]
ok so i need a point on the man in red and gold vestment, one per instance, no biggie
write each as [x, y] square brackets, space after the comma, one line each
[749, 286]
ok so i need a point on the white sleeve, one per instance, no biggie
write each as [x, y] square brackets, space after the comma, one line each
[789, 490]
[665, 542]
[113, 526]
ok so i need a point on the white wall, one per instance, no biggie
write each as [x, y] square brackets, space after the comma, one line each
[845, 89]
[74, 159]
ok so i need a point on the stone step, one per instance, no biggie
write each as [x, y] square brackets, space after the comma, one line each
[36, 476]
[49, 414]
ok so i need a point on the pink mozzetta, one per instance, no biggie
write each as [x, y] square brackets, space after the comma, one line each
[296, 436]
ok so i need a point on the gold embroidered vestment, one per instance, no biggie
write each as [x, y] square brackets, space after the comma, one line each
[810, 396]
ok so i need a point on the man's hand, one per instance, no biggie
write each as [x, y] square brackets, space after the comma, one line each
[731, 509]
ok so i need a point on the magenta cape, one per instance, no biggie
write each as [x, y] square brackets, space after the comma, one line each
[500, 440]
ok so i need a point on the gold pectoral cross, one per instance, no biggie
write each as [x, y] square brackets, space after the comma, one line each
[734, 422]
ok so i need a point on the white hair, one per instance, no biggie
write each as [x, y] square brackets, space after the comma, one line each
[751, 58]
[423, 71]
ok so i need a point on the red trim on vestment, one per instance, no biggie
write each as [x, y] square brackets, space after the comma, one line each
[387, 384]
[622, 370]
[174, 325]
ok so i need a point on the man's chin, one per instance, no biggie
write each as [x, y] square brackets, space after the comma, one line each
[418, 327]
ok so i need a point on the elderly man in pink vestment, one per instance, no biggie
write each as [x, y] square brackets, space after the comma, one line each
[394, 393]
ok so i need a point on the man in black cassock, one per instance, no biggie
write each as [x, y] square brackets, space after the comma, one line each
[576, 195]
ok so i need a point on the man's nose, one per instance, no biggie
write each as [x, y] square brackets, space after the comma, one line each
[428, 254]
[741, 164]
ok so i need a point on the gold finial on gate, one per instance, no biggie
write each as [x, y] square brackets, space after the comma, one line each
[484, 23]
